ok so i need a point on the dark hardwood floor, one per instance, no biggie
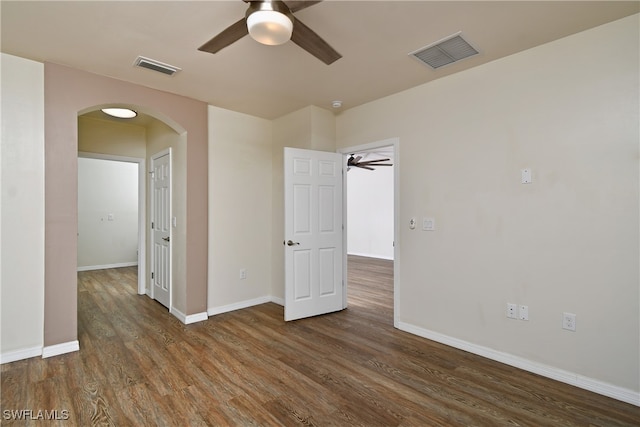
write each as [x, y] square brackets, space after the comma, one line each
[138, 365]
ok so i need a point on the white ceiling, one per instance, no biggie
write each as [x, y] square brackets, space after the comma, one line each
[374, 37]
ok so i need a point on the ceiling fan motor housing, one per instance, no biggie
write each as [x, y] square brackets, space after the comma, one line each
[269, 6]
[269, 23]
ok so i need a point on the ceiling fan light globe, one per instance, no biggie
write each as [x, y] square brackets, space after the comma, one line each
[269, 27]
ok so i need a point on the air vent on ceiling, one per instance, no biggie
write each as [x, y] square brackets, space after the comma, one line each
[152, 64]
[444, 52]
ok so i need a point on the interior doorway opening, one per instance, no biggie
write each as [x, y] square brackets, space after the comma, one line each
[111, 213]
[371, 224]
[101, 136]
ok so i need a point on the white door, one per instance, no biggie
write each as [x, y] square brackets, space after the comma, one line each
[313, 233]
[161, 228]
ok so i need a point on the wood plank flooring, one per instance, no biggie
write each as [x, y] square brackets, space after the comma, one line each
[139, 366]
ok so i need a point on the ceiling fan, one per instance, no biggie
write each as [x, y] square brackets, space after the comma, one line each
[357, 163]
[271, 22]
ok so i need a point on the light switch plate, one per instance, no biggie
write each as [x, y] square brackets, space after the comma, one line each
[512, 310]
[428, 224]
[526, 176]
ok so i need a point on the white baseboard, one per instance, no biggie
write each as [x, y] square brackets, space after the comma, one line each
[104, 267]
[390, 258]
[276, 300]
[596, 386]
[194, 318]
[212, 311]
[58, 349]
[189, 319]
[25, 353]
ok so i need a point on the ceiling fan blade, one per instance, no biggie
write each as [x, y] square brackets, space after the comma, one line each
[357, 159]
[296, 5]
[365, 167]
[375, 161]
[307, 39]
[228, 36]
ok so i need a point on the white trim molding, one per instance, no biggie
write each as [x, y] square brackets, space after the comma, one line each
[276, 300]
[25, 353]
[58, 349]
[376, 256]
[571, 378]
[189, 319]
[104, 267]
[212, 311]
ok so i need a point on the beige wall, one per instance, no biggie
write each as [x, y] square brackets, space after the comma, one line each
[568, 242]
[110, 137]
[108, 219]
[69, 92]
[370, 197]
[239, 209]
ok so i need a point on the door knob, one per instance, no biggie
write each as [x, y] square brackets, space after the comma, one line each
[292, 243]
[166, 239]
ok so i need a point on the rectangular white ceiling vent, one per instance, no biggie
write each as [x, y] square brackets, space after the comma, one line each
[152, 64]
[446, 51]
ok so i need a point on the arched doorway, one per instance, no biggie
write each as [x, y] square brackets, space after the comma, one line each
[70, 93]
[136, 141]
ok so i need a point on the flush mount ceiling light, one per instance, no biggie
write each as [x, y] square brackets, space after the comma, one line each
[268, 23]
[121, 113]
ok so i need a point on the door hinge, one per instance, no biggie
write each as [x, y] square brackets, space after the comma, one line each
[152, 225]
[152, 274]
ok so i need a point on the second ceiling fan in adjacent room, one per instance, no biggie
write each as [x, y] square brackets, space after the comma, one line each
[357, 162]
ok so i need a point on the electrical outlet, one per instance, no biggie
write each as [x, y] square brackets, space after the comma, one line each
[243, 273]
[523, 312]
[569, 321]
[512, 311]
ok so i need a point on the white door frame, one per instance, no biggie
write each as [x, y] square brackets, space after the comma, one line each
[142, 214]
[162, 153]
[395, 143]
